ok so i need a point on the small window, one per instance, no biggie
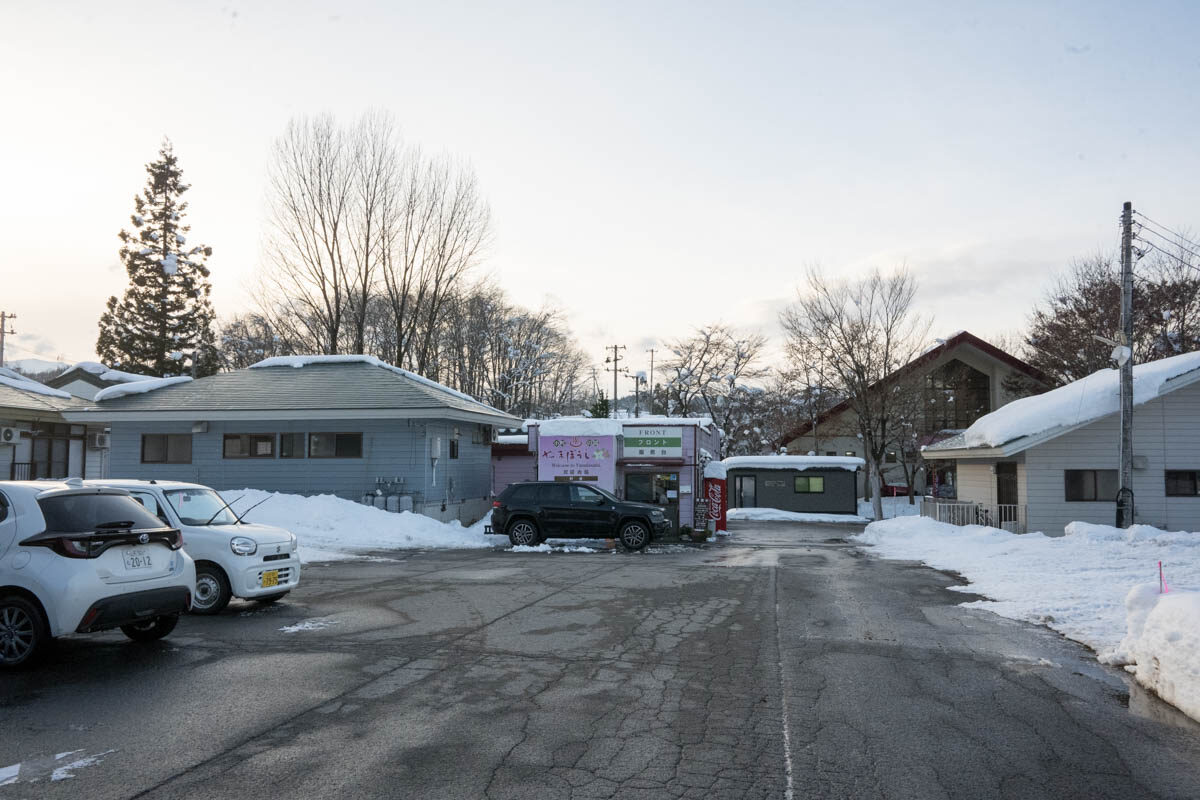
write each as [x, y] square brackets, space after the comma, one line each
[523, 494]
[1182, 483]
[1087, 485]
[806, 484]
[850, 453]
[831, 452]
[249, 445]
[291, 445]
[335, 445]
[891, 457]
[585, 494]
[554, 493]
[166, 448]
[454, 448]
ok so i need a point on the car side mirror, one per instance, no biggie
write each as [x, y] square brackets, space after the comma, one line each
[602, 501]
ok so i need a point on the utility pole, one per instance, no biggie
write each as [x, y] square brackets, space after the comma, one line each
[615, 359]
[4, 318]
[651, 385]
[595, 383]
[1125, 490]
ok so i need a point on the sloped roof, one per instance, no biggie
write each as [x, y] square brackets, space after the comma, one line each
[96, 374]
[21, 393]
[342, 386]
[1031, 420]
[924, 360]
[848, 463]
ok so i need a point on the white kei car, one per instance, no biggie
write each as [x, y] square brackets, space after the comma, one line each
[76, 559]
[233, 558]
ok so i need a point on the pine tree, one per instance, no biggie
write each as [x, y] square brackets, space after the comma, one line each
[600, 408]
[164, 323]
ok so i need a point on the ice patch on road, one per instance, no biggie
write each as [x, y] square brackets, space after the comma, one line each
[545, 547]
[34, 770]
[68, 770]
[310, 625]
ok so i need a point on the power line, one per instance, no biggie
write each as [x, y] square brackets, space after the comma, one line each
[1153, 246]
[1166, 240]
[1168, 231]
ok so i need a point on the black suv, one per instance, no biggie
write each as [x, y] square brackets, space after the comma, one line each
[530, 513]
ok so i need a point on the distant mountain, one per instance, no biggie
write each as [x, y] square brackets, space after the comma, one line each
[37, 368]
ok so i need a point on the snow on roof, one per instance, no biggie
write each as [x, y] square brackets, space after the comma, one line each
[715, 470]
[703, 422]
[109, 374]
[579, 426]
[513, 438]
[304, 361]
[16, 380]
[1087, 399]
[137, 387]
[794, 462]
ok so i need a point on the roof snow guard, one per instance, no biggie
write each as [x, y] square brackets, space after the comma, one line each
[1032, 420]
[294, 387]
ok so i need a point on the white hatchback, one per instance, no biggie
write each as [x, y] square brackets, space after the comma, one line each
[77, 559]
[234, 558]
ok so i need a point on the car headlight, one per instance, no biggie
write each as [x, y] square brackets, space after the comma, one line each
[656, 514]
[243, 546]
[295, 543]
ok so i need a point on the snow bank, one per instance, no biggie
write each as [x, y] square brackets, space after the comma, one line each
[138, 387]
[106, 373]
[1087, 399]
[16, 380]
[892, 507]
[1085, 584]
[1163, 639]
[779, 515]
[795, 462]
[330, 528]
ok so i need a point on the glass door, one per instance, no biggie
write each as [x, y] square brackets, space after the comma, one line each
[743, 492]
[657, 488]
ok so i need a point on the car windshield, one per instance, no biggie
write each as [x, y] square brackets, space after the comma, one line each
[606, 493]
[198, 507]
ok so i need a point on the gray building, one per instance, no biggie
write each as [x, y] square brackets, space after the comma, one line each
[343, 425]
[36, 441]
[807, 484]
[1042, 462]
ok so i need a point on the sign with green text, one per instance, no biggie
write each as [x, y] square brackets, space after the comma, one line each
[653, 442]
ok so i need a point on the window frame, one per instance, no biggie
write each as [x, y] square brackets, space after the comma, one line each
[335, 435]
[453, 448]
[166, 447]
[808, 483]
[1095, 486]
[249, 439]
[295, 436]
[1195, 478]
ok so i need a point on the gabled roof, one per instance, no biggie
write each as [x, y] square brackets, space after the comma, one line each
[923, 361]
[22, 394]
[96, 374]
[1032, 420]
[307, 387]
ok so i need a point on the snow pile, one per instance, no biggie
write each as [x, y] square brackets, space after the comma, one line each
[330, 528]
[513, 438]
[137, 387]
[1163, 639]
[548, 548]
[892, 507]
[779, 515]
[16, 380]
[111, 375]
[715, 470]
[1079, 584]
[795, 462]
[580, 426]
[1087, 399]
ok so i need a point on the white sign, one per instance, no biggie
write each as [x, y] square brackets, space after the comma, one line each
[647, 441]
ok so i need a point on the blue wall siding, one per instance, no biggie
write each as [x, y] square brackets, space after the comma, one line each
[392, 449]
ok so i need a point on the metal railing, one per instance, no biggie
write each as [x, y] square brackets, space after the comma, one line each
[1012, 518]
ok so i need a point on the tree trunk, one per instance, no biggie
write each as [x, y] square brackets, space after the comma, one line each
[875, 484]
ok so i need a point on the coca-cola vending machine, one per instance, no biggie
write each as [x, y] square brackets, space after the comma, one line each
[715, 492]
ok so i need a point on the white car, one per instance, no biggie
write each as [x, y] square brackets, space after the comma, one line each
[76, 559]
[233, 558]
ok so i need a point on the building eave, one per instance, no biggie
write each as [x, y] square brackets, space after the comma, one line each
[95, 414]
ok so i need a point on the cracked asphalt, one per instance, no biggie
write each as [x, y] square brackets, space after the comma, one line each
[784, 662]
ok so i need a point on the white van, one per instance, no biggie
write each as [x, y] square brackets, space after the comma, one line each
[233, 558]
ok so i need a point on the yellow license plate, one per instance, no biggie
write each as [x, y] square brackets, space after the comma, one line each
[270, 578]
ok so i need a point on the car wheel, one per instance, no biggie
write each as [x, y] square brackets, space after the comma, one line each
[635, 535]
[267, 599]
[212, 590]
[524, 533]
[152, 629]
[23, 632]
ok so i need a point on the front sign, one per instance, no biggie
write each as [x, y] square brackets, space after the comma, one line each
[590, 459]
[646, 441]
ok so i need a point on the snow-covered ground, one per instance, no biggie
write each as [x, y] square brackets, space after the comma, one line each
[779, 515]
[1078, 584]
[892, 507]
[330, 528]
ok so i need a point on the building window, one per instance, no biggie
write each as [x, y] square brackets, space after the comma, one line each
[1182, 483]
[249, 445]
[454, 448]
[166, 448]
[891, 457]
[955, 396]
[335, 445]
[850, 453]
[809, 485]
[831, 452]
[291, 445]
[1085, 485]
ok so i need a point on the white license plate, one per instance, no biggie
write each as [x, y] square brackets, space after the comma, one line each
[137, 558]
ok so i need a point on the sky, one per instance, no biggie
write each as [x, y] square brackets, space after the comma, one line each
[651, 167]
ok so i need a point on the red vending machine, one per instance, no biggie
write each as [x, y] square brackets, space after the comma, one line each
[717, 496]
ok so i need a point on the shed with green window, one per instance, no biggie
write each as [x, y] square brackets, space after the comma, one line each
[805, 484]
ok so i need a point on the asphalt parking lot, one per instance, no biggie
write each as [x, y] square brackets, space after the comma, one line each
[782, 663]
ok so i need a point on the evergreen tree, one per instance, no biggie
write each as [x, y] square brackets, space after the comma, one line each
[164, 323]
[600, 408]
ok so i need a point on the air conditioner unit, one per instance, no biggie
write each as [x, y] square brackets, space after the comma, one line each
[9, 435]
[98, 441]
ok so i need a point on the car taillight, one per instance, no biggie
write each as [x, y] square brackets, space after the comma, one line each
[495, 504]
[175, 541]
[72, 548]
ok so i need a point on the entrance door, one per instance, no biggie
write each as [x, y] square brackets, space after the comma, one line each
[657, 488]
[744, 492]
[1006, 483]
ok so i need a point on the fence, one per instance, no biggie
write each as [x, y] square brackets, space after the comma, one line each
[1012, 518]
[21, 471]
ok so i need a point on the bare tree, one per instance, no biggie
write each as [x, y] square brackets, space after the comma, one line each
[864, 331]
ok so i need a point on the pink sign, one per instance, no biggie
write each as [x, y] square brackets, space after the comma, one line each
[578, 458]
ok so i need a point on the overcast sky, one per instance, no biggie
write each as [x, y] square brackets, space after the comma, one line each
[651, 167]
